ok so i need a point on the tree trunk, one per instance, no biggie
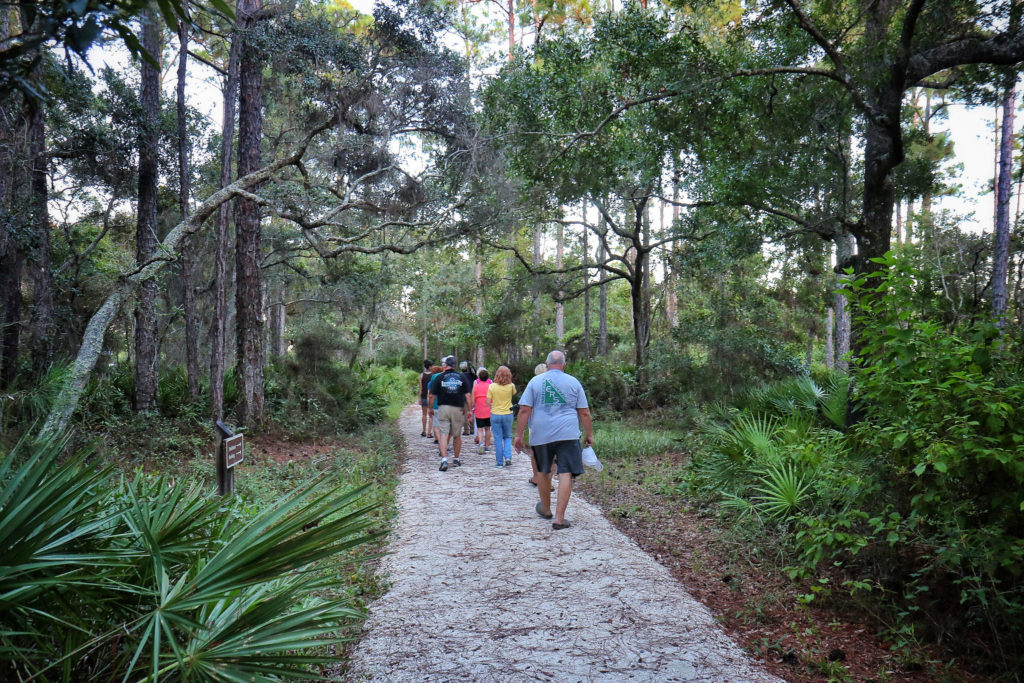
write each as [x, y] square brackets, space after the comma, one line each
[478, 273]
[602, 319]
[537, 233]
[639, 294]
[218, 336]
[248, 232]
[586, 296]
[1001, 252]
[830, 338]
[146, 338]
[277, 322]
[559, 306]
[844, 254]
[39, 265]
[188, 251]
[10, 249]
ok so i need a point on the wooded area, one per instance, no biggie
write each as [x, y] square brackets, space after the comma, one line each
[726, 213]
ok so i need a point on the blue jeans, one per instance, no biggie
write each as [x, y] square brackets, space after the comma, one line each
[501, 426]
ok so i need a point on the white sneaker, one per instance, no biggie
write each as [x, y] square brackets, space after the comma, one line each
[480, 449]
[444, 465]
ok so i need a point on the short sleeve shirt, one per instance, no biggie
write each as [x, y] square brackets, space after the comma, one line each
[450, 389]
[555, 397]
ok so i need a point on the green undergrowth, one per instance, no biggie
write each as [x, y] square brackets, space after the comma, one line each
[119, 575]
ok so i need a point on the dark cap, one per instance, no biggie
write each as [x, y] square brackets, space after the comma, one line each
[448, 360]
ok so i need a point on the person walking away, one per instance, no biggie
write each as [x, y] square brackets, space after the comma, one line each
[453, 409]
[424, 381]
[435, 370]
[481, 411]
[469, 377]
[555, 405]
[499, 400]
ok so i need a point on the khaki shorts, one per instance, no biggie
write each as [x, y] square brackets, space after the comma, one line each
[449, 419]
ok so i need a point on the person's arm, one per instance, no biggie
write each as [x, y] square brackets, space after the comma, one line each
[524, 417]
[588, 426]
[430, 396]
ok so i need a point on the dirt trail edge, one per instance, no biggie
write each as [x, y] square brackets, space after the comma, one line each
[482, 589]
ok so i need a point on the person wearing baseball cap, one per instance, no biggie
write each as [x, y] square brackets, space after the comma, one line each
[453, 409]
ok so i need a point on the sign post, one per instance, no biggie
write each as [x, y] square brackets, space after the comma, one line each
[229, 453]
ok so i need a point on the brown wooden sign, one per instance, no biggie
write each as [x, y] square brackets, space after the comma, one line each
[233, 447]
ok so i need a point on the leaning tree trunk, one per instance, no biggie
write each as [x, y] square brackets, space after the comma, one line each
[188, 256]
[146, 338]
[92, 341]
[218, 332]
[1001, 253]
[248, 234]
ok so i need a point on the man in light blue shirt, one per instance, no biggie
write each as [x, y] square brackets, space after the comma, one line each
[555, 405]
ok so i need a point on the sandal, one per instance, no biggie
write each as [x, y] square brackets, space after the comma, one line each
[564, 525]
[532, 482]
[541, 513]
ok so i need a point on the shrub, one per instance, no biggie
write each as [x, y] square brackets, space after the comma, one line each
[103, 578]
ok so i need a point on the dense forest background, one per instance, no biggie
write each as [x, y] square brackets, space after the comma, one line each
[725, 212]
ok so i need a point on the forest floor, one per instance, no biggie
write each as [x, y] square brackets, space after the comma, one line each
[481, 588]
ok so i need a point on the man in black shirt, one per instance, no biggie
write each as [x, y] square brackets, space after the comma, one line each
[453, 408]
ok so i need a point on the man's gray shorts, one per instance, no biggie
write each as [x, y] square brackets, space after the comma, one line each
[568, 454]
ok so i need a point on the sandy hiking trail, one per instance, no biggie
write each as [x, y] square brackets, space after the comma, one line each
[482, 589]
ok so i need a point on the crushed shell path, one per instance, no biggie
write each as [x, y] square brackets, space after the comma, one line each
[482, 589]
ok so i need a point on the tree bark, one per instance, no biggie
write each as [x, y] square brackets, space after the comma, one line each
[478, 274]
[10, 249]
[602, 295]
[248, 232]
[559, 306]
[586, 297]
[39, 264]
[830, 338]
[537, 232]
[1001, 252]
[218, 336]
[146, 337]
[188, 249]
[277, 322]
[844, 254]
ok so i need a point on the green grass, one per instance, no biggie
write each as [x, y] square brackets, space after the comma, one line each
[624, 442]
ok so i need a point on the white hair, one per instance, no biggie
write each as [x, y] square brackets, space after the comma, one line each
[556, 357]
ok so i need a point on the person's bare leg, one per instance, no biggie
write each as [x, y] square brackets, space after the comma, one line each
[443, 444]
[544, 489]
[423, 430]
[564, 491]
[487, 437]
[535, 478]
[457, 444]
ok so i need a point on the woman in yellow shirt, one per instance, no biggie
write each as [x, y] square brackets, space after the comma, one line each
[499, 398]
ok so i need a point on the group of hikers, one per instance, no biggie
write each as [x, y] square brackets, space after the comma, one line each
[455, 399]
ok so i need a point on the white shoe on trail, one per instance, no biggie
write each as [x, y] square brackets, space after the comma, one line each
[444, 465]
[463, 602]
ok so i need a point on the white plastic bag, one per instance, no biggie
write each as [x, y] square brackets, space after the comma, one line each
[590, 460]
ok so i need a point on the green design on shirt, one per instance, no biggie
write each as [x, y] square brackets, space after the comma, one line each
[552, 395]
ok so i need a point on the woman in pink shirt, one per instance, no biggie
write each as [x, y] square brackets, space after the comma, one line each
[482, 411]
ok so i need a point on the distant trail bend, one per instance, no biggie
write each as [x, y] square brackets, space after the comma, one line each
[482, 589]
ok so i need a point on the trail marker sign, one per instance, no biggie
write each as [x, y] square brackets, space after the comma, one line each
[233, 450]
